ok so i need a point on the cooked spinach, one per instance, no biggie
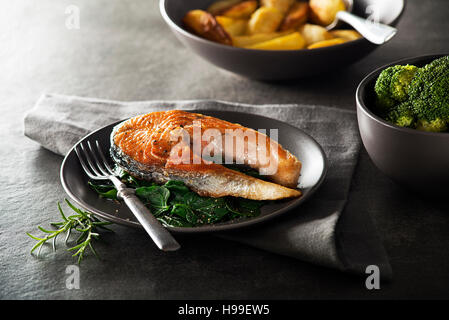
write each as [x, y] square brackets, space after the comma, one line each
[175, 205]
[104, 190]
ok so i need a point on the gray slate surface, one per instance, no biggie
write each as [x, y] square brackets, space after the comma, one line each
[124, 51]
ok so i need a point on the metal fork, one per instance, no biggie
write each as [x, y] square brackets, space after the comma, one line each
[97, 168]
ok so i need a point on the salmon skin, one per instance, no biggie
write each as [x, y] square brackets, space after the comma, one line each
[171, 145]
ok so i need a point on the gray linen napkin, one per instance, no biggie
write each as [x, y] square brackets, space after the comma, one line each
[322, 232]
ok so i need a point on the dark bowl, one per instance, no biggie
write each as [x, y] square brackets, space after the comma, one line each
[415, 159]
[283, 64]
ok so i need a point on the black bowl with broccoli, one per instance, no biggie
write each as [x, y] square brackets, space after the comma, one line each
[403, 117]
[415, 97]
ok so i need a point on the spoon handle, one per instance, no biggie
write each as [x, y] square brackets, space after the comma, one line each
[374, 32]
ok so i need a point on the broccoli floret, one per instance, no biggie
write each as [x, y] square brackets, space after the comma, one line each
[382, 88]
[402, 115]
[437, 125]
[400, 82]
[392, 86]
[429, 91]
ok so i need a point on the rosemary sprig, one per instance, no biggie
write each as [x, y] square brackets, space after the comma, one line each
[82, 222]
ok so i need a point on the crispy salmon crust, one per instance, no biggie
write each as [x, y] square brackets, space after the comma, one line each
[144, 146]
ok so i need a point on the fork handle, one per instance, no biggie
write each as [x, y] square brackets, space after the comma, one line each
[161, 237]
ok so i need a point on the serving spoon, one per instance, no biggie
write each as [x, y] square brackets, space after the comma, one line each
[372, 31]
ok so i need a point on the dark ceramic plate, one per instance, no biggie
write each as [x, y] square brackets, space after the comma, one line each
[296, 141]
[282, 64]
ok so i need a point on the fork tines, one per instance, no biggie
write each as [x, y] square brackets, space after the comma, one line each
[96, 167]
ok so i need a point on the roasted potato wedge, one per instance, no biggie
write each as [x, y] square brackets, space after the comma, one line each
[245, 41]
[270, 24]
[218, 7]
[346, 34]
[282, 5]
[265, 20]
[242, 10]
[314, 33]
[234, 27]
[293, 41]
[205, 25]
[327, 43]
[296, 16]
[323, 12]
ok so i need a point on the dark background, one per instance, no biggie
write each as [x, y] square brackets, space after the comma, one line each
[124, 51]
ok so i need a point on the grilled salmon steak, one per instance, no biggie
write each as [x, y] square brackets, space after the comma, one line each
[190, 147]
